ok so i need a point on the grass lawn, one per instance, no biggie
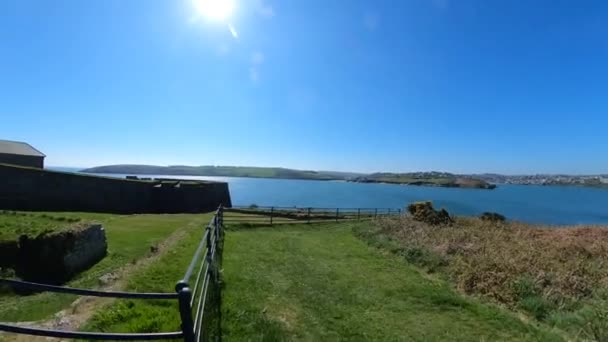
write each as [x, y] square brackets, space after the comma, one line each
[129, 239]
[161, 276]
[14, 224]
[320, 282]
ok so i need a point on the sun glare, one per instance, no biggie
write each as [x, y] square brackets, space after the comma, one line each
[217, 10]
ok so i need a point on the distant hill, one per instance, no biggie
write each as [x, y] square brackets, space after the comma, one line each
[222, 171]
[443, 179]
[433, 178]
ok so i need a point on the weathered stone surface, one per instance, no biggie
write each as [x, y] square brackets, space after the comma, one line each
[8, 253]
[108, 278]
[89, 246]
[55, 258]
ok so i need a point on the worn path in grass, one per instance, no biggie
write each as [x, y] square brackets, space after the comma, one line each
[320, 282]
[145, 316]
[129, 240]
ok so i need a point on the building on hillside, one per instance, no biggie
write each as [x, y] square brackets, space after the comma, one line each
[20, 153]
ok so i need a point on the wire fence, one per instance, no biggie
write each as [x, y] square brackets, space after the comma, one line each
[268, 215]
[198, 295]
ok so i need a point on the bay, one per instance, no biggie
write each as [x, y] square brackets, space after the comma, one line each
[553, 205]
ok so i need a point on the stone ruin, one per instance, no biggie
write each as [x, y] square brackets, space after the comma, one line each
[54, 258]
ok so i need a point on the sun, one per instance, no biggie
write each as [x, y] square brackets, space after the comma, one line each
[216, 10]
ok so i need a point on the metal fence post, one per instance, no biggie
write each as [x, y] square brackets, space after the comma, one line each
[216, 230]
[208, 231]
[376, 213]
[308, 216]
[337, 213]
[389, 211]
[271, 212]
[221, 214]
[358, 214]
[185, 311]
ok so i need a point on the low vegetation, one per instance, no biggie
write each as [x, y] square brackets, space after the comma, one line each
[319, 282]
[556, 275]
[492, 217]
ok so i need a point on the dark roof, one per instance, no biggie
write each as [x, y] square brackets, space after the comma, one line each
[21, 148]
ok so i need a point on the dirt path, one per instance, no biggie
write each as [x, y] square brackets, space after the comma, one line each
[82, 309]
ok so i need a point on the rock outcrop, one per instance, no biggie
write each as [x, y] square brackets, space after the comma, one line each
[424, 212]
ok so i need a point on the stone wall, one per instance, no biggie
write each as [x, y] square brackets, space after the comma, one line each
[32, 189]
[89, 246]
[55, 258]
[8, 254]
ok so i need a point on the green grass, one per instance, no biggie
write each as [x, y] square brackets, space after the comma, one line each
[161, 276]
[14, 224]
[320, 282]
[129, 239]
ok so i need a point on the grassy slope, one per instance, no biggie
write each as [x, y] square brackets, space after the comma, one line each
[556, 275]
[129, 238]
[322, 283]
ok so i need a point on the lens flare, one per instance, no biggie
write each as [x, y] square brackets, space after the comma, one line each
[216, 10]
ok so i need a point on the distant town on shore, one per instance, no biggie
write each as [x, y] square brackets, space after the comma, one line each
[430, 178]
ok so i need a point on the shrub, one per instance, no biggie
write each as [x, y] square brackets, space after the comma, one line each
[537, 306]
[525, 287]
[596, 323]
[424, 212]
[253, 206]
[423, 257]
[492, 217]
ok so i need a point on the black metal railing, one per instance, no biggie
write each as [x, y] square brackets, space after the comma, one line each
[267, 215]
[199, 306]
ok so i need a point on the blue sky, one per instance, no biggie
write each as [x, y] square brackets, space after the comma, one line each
[463, 86]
